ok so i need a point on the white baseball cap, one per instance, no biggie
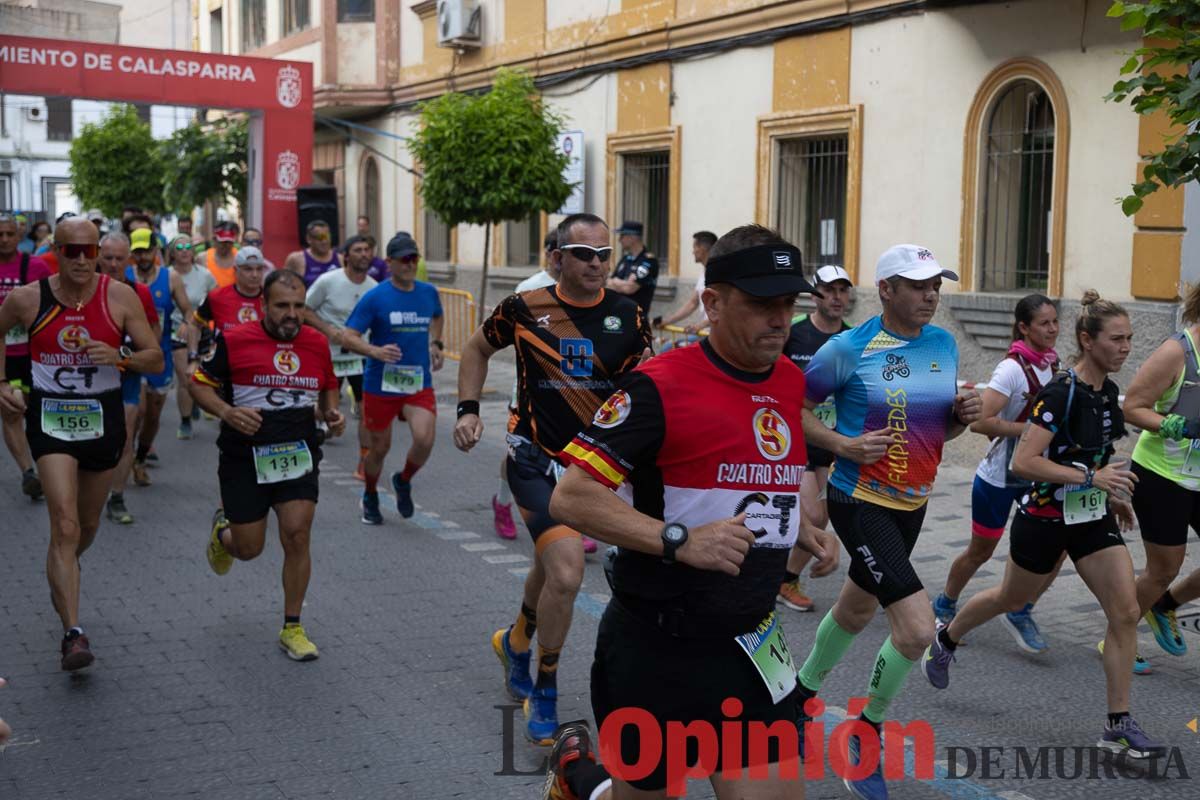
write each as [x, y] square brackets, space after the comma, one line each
[910, 261]
[831, 273]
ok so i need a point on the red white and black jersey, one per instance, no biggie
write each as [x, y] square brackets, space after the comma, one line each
[698, 440]
[227, 308]
[58, 336]
[282, 379]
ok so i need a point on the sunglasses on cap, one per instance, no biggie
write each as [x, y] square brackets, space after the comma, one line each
[586, 253]
[72, 251]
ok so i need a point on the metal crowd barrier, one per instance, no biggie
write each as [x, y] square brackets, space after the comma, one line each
[458, 311]
[670, 336]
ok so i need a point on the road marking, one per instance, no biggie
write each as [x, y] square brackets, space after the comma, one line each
[508, 558]
[480, 547]
[520, 572]
[454, 536]
[347, 482]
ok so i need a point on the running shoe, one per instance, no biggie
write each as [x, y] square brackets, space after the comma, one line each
[517, 682]
[792, 595]
[502, 519]
[1140, 665]
[1166, 631]
[141, 476]
[76, 652]
[572, 741]
[117, 512]
[296, 644]
[589, 545]
[937, 660]
[1021, 625]
[370, 509]
[152, 458]
[541, 716]
[219, 558]
[31, 484]
[185, 429]
[403, 490]
[871, 787]
[944, 608]
[1127, 738]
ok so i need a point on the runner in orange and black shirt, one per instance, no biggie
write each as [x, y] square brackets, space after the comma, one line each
[572, 342]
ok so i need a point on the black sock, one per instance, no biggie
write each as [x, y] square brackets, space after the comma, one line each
[143, 450]
[943, 636]
[116, 496]
[291, 621]
[583, 776]
[1166, 603]
[1115, 719]
[790, 576]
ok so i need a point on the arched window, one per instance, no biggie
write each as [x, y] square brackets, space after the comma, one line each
[369, 200]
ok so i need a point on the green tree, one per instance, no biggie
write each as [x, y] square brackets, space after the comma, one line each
[115, 163]
[491, 157]
[204, 163]
[1165, 76]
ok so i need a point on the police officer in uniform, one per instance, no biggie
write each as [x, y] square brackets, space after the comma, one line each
[636, 274]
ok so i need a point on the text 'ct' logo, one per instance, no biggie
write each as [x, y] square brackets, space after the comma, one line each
[287, 170]
[247, 314]
[288, 89]
[287, 362]
[772, 434]
[576, 357]
[72, 338]
[614, 411]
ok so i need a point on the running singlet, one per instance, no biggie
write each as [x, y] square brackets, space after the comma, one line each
[731, 443]
[314, 269]
[1166, 457]
[883, 381]
[227, 308]
[223, 275]
[393, 316]
[282, 379]
[160, 293]
[61, 366]
[1085, 423]
[12, 276]
[568, 358]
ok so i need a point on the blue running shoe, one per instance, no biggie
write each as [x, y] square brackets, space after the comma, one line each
[1140, 665]
[1166, 631]
[871, 787]
[1127, 738]
[370, 509]
[541, 716]
[516, 666]
[936, 664]
[403, 490]
[944, 608]
[1021, 625]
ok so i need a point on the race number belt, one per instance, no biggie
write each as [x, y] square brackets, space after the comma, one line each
[767, 648]
[401, 379]
[284, 461]
[72, 420]
[1191, 464]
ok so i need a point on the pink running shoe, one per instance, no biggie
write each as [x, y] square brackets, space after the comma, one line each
[502, 517]
[589, 545]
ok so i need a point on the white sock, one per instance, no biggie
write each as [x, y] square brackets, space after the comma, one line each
[504, 496]
[599, 791]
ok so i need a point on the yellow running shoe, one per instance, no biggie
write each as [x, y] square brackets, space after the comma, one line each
[295, 643]
[218, 557]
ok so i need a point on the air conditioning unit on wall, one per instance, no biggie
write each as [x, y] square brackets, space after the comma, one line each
[35, 114]
[460, 23]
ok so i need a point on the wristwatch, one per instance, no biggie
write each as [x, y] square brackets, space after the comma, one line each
[123, 356]
[674, 536]
[438, 344]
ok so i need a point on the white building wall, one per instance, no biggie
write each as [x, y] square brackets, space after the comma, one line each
[560, 13]
[591, 109]
[356, 53]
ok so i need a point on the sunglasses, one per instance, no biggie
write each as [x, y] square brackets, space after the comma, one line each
[183, 246]
[320, 237]
[73, 251]
[252, 242]
[586, 253]
[408, 259]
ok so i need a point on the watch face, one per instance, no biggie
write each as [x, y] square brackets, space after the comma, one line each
[675, 533]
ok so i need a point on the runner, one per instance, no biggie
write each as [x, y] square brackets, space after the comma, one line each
[18, 269]
[893, 381]
[316, 259]
[502, 518]
[702, 242]
[169, 293]
[76, 320]
[1078, 502]
[263, 382]
[114, 256]
[636, 274]
[407, 314]
[1164, 402]
[227, 307]
[1165, 625]
[806, 337]
[221, 258]
[330, 300]
[1007, 401]
[197, 283]
[253, 237]
[691, 626]
[571, 342]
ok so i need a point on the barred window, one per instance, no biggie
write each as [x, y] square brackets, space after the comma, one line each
[356, 10]
[523, 242]
[58, 119]
[810, 197]
[646, 197]
[254, 24]
[437, 239]
[295, 16]
[369, 203]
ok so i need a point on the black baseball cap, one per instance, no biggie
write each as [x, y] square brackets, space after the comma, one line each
[402, 245]
[631, 227]
[763, 271]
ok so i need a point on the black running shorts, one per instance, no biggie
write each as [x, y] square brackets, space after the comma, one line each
[531, 477]
[1037, 544]
[355, 386]
[18, 370]
[880, 541]
[1165, 510]
[93, 455]
[245, 500]
[820, 458]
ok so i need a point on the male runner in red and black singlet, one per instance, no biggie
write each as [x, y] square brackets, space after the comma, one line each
[263, 381]
[74, 421]
[572, 341]
[230, 306]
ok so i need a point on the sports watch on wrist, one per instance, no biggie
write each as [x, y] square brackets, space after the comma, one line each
[674, 536]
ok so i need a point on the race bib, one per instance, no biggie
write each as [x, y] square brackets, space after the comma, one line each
[1084, 505]
[1191, 464]
[275, 463]
[401, 379]
[767, 648]
[16, 335]
[827, 413]
[72, 420]
[345, 366]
